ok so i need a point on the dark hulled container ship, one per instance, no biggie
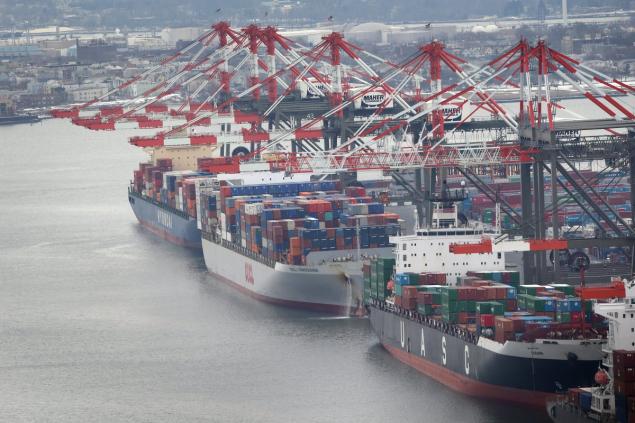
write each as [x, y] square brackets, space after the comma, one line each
[466, 321]
[518, 372]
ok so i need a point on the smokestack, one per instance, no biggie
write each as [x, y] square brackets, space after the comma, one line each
[564, 12]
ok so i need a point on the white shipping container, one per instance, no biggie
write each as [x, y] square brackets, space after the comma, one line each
[180, 174]
[253, 208]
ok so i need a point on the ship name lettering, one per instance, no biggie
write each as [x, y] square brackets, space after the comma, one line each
[249, 274]
[164, 219]
[444, 354]
[304, 269]
[467, 360]
[423, 344]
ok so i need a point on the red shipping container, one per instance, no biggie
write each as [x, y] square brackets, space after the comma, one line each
[518, 323]
[398, 301]
[577, 316]
[409, 292]
[624, 358]
[463, 317]
[488, 320]
[424, 298]
[625, 374]
[491, 292]
[501, 293]
[511, 305]
[503, 324]
[409, 304]
[481, 294]
[624, 388]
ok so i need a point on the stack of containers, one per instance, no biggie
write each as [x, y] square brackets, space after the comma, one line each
[486, 313]
[424, 278]
[294, 219]
[148, 180]
[624, 385]
[405, 279]
[382, 269]
[557, 304]
[488, 290]
[507, 277]
[189, 196]
[504, 329]
[173, 186]
[429, 300]
[450, 304]
[208, 210]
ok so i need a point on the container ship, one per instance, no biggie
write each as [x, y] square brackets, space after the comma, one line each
[611, 398]
[465, 321]
[164, 191]
[164, 202]
[298, 244]
[18, 119]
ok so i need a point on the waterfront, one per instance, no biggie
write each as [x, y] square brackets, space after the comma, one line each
[102, 321]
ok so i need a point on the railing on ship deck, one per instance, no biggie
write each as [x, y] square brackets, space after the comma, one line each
[176, 211]
[239, 249]
[447, 328]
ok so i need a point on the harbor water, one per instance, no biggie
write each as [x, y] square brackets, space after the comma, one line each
[101, 321]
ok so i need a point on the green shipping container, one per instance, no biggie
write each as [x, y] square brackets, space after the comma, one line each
[450, 317]
[470, 306]
[450, 294]
[425, 309]
[528, 289]
[490, 307]
[368, 295]
[386, 264]
[563, 317]
[398, 290]
[451, 307]
[522, 301]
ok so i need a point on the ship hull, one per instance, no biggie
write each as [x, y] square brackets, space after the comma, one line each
[18, 119]
[333, 289]
[177, 228]
[522, 373]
